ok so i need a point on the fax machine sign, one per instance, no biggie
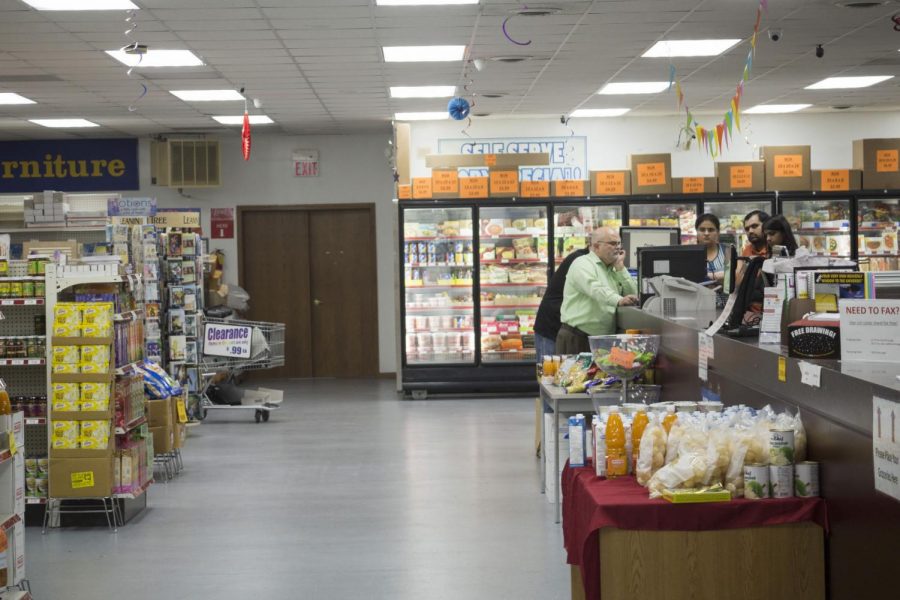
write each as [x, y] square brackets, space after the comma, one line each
[227, 340]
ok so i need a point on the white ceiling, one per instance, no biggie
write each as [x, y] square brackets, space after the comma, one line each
[316, 64]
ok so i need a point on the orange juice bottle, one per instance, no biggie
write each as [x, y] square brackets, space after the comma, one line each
[549, 369]
[616, 460]
[5, 406]
[637, 431]
[670, 418]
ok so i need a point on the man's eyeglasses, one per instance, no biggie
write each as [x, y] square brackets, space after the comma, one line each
[613, 244]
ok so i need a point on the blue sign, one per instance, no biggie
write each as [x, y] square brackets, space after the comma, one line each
[131, 207]
[69, 165]
[568, 155]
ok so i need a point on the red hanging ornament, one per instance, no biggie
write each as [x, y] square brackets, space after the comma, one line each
[245, 136]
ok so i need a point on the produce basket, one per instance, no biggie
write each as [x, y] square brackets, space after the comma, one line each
[625, 356]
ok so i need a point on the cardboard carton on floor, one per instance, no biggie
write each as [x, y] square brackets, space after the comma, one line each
[81, 477]
[787, 168]
[163, 439]
[159, 412]
[879, 161]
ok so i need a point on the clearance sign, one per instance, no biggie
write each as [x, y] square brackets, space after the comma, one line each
[69, 165]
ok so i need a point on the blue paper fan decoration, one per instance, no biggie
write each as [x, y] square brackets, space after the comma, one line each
[458, 108]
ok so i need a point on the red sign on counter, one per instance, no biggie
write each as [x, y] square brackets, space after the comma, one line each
[221, 221]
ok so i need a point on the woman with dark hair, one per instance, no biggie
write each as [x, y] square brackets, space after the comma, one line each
[778, 233]
[708, 226]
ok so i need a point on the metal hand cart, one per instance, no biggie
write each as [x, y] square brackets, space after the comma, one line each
[235, 346]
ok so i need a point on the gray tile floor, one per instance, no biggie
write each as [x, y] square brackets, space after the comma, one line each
[346, 493]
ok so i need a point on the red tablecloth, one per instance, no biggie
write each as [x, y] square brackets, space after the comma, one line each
[590, 503]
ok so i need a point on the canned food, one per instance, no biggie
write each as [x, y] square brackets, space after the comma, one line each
[806, 479]
[27, 289]
[43, 467]
[40, 289]
[4, 268]
[31, 467]
[15, 289]
[756, 481]
[32, 266]
[781, 447]
[781, 481]
[41, 487]
[31, 486]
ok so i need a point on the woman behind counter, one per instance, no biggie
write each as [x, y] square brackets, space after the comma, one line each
[708, 226]
[778, 233]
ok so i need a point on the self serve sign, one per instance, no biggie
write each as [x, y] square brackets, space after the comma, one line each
[227, 340]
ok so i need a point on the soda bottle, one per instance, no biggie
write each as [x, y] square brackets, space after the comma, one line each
[670, 418]
[616, 460]
[637, 431]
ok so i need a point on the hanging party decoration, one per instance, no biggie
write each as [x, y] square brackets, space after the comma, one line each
[137, 49]
[245, 136]
[508, 37]
[458, 108]
[715, 139]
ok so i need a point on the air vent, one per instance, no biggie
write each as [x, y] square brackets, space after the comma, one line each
[536, 11]
[852, 4]
[493, 94]
[512, 58]
[185, 163]
[842, 106]
[28, 78]
[162, 76]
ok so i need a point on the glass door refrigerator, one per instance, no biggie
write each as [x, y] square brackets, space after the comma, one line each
[876, 240]
[731, 213]
[573, 224]
[658, 213]
[823, 225]
[514, 255]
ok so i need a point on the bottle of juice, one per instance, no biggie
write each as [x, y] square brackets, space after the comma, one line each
[549, 369]
[670, 418]
[637, 431]
[616, 460]
[5, 406]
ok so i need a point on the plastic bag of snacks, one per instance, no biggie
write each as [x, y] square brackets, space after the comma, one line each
[687, 471]
[718, 456]
[65, 396]
[795, 423]
[94, 435]
[65, 435]
[157, 383]
[652, 454]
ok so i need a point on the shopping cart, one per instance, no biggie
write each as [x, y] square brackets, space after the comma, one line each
[233, 346]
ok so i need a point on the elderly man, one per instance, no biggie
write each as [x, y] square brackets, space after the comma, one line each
[597, 283]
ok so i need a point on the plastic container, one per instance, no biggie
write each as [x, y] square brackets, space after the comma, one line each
[624, 356]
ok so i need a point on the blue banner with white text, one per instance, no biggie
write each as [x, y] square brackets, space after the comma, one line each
[99, 165]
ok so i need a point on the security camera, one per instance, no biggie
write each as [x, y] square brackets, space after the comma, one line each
[820, 51]
[775, 35]
[563, 120]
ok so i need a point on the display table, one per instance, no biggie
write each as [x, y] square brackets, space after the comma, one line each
[655, 549]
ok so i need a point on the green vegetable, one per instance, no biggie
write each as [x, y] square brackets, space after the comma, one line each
[757, 488]
[788, 454]
[800, 488]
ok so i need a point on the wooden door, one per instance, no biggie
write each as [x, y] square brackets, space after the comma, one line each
[343, 283]
[313, 268]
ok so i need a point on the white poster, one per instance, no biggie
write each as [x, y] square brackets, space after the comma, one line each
[886, 446]
[568, 155]
[870, 330]
[227, 340]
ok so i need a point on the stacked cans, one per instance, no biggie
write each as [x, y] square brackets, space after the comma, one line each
[781, 478]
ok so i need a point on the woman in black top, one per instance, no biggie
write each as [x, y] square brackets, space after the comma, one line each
[778, 233]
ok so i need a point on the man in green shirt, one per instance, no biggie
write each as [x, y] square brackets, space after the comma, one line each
[597, 283]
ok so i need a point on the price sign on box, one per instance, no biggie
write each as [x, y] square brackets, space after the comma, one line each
[227, 340]
[82, 479]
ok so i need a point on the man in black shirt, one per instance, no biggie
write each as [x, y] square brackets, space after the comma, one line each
[547, 323]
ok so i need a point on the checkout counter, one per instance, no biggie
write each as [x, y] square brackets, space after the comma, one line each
[863, 544]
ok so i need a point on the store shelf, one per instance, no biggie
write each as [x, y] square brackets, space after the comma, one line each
[21, 301]
[468, 360]
[529, 284]
[823, 230]
[24, 278]
[449, 307]
[887, 227]
[130, 315]
[131, 426]
[438, 287]
[35, 420]
[449, 238]
[22, 362]
[133, 495]
[129, 368]
[512, 261]
[32, 500]
[7, 521]
[441, 330]
[441, 265]
[514, 236]
[60, 228]
[508, 306]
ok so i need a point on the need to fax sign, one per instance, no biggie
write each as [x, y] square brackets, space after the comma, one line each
[227, 340]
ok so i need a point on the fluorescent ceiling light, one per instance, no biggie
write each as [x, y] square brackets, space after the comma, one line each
[771, 109]
[672, 48]
[422, 2]
[10, 98]
[239, 120]
[63, 123]
[421, 116]
[634, 87]
[423, 53]
[423, 91]
[207, 95]
[835, 83]
[599, 112]
[158, 58]
[75, 5]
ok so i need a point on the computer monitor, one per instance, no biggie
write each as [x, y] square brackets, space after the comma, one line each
[678, 261]
[634, 238]
[731, 262]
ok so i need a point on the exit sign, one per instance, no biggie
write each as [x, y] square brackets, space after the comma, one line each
[306, 163]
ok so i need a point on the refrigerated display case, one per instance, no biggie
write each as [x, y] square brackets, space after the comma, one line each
[513, 264]
[878, 220]
[438, 282]
[821, 225]
[731, 215]
[573, 224]
[669, 214]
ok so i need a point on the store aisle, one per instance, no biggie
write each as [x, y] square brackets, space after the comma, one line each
[346, 493]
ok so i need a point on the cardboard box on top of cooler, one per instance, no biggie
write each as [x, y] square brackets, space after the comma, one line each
[787, 168]
[879, 161]
[836, 180]
[650, 173]
[445, 183]
[610, 183]
[743, 176]
[695, 185]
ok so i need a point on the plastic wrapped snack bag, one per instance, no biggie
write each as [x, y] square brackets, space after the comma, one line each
[65, 435]
[686, 472]
[652, 454]
[734, 476]
[65, 397]
[94, 435]
[718, 456]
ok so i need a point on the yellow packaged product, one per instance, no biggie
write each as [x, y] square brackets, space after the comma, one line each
[65, 396]
[97, 314]
[95, 368]
[66, 355]
[94, 435]
[92, 331]
[66, 368]
[66, 330]
[67, 313]
[65, 435]
[95, 354]
[94, 396]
